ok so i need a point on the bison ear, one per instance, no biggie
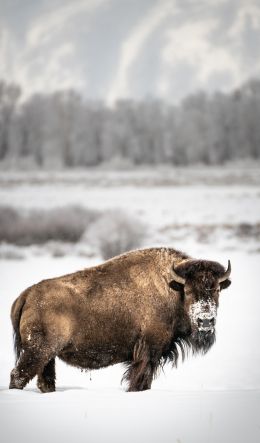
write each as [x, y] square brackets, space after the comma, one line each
[225, 284]
[176, 286]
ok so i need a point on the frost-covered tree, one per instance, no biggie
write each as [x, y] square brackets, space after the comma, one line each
[63, 130]
[9, 95]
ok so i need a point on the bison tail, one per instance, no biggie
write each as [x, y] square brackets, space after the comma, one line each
[16, 313]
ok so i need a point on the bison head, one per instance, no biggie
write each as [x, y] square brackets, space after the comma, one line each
[200, 282]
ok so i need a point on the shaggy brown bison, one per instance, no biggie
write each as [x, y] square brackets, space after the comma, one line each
[142, 308]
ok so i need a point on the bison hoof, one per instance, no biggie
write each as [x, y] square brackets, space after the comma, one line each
[16, 385]
[45, 386]
[138, 389]
[16, 382]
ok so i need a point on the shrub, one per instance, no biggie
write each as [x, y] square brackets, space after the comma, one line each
[10, 252]
[115, 232]
[39, 226]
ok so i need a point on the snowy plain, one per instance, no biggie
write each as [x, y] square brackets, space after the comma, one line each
[215, 398]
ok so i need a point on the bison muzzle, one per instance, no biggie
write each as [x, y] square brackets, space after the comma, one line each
[142, 308]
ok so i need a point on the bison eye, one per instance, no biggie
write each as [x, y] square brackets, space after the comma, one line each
[176, 286]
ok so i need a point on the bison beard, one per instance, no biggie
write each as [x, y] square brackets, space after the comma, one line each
[202, 341]
[127, 310]
[197, 342]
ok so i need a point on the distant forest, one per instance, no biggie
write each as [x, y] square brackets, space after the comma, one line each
[64, 130]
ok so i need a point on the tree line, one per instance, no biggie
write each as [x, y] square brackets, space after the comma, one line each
[62, 129]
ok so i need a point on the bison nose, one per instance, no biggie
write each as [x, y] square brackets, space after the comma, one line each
[206, 323]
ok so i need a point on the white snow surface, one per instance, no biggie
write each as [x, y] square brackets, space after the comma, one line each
[207, 399]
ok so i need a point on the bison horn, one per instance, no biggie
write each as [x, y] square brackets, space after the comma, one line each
[227, 273]
[177, 277]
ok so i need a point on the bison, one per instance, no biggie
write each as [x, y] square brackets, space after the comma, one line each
[142, 308]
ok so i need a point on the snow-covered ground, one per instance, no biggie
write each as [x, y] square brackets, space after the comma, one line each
[215, 398]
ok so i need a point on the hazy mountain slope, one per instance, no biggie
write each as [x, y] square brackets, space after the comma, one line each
[113, 48]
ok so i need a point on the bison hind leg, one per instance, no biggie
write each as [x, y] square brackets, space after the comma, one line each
[35, 359]
[46, 378]
[28, 365]
[142, 369]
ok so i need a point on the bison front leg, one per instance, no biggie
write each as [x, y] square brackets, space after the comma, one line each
[142, 369]
[46, 379]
